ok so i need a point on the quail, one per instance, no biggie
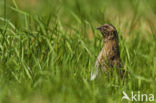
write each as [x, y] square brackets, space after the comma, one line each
[109, 56]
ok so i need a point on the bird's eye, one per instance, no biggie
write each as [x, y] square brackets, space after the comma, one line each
[106, 26]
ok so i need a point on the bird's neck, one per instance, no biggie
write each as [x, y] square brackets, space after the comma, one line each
[112, 44]
[110, 41]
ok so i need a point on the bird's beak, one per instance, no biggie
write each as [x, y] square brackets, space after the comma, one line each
[99, 28]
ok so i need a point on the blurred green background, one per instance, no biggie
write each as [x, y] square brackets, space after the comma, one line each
[48, 49]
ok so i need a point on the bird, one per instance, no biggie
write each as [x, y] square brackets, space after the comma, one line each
[109, 56]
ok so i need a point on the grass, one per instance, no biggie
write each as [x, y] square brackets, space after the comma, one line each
[48, 49]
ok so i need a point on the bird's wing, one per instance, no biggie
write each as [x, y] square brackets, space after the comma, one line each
[97, 63]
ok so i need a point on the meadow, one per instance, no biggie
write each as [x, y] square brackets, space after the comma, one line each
[48, 49]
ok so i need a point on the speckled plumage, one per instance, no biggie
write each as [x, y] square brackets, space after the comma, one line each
[109, 56]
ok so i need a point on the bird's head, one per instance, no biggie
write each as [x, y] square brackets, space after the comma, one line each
[108, 31]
